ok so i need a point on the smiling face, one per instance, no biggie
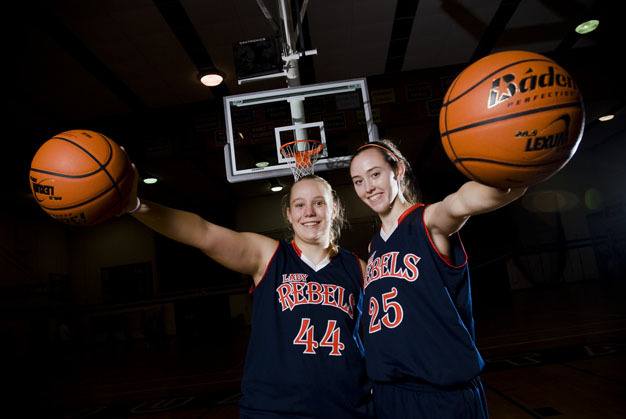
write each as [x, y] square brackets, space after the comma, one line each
[310, 211]
[374, 180]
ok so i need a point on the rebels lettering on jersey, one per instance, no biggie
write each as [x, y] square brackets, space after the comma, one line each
[305, 355]
[418, 318]
[293, 294]
[387, 266]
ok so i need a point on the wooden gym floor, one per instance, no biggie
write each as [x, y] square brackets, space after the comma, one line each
[550, 353]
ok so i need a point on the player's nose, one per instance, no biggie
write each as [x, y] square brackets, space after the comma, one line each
[309, 211]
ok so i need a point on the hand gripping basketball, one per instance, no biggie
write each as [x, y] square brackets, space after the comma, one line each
[81, 177]
[133, 203]
[511, 119]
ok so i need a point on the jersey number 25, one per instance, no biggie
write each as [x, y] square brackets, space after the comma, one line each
[388, 305]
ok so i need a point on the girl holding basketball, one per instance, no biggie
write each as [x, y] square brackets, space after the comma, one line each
[304, 358]
[419, 332]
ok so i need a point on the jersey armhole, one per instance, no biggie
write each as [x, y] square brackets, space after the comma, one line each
[446, 259]
[358, 262]
[267, 268]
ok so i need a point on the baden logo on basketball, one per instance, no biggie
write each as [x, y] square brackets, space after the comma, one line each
[496, 96]
[511, 118]
[504, 88]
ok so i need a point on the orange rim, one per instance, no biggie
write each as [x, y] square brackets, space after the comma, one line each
[302, 158]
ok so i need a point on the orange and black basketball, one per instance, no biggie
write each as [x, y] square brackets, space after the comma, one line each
[81, 177]
[513, 118]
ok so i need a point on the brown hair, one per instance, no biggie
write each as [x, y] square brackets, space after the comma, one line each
[393, 157]
[339, 213]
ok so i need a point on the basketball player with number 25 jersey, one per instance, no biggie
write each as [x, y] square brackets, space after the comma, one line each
[419, 337]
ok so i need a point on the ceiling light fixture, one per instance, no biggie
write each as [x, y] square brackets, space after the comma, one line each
[275, 186]
[588, 26]
[150, 180]
[211, 77]
[606, 117]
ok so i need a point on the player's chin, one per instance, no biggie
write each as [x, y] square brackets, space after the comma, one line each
[379, 206]
[307, 234]
[315, 236]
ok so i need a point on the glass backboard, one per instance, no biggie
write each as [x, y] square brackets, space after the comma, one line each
[259, 123]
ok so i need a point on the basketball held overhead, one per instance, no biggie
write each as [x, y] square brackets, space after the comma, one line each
[513, 118]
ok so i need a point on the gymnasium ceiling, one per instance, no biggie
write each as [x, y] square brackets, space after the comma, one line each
[80, 61]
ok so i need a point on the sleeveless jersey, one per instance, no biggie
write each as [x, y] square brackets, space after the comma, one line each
[418, 312]
[305, 357]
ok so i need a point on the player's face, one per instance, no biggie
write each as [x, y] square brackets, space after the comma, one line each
[374, 180]
[310, 211]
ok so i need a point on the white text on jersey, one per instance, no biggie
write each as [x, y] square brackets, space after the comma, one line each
[292, 294]
[386, 266]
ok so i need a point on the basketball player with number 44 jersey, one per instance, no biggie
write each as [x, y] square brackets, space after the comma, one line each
[304, 343]
[419, 330]
[304, 358]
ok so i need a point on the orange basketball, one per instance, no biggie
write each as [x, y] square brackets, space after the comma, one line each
[81, 177]
[513, 118]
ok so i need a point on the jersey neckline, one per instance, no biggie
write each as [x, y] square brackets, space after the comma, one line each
[316, 267]
[384, 235]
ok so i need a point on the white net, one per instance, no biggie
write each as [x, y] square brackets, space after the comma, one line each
[304, 154]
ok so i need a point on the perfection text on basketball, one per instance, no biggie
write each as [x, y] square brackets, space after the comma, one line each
[505, 87]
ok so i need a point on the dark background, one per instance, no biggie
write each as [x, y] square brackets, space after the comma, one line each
[551, 261]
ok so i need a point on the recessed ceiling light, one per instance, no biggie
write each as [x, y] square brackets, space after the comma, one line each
[588, 26]
[606, 117]
[211, 77]
[150, 180]
[275, 186]
[262, 164]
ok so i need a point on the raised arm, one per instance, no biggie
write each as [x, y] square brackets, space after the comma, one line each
[247, 253]
[448, 216]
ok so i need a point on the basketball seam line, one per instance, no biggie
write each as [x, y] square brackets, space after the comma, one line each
[514, 115]
[476, 159]
[89, 200]
[445, 119]
[115, 185]
[64, 175]
[102, 165]
[490, 75]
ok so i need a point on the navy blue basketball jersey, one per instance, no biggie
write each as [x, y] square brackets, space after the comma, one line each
[305, 357]
[418, 312]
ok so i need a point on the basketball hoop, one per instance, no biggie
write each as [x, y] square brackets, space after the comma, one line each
[304, 154]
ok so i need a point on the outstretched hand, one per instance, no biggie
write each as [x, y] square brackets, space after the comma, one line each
[132, 201]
